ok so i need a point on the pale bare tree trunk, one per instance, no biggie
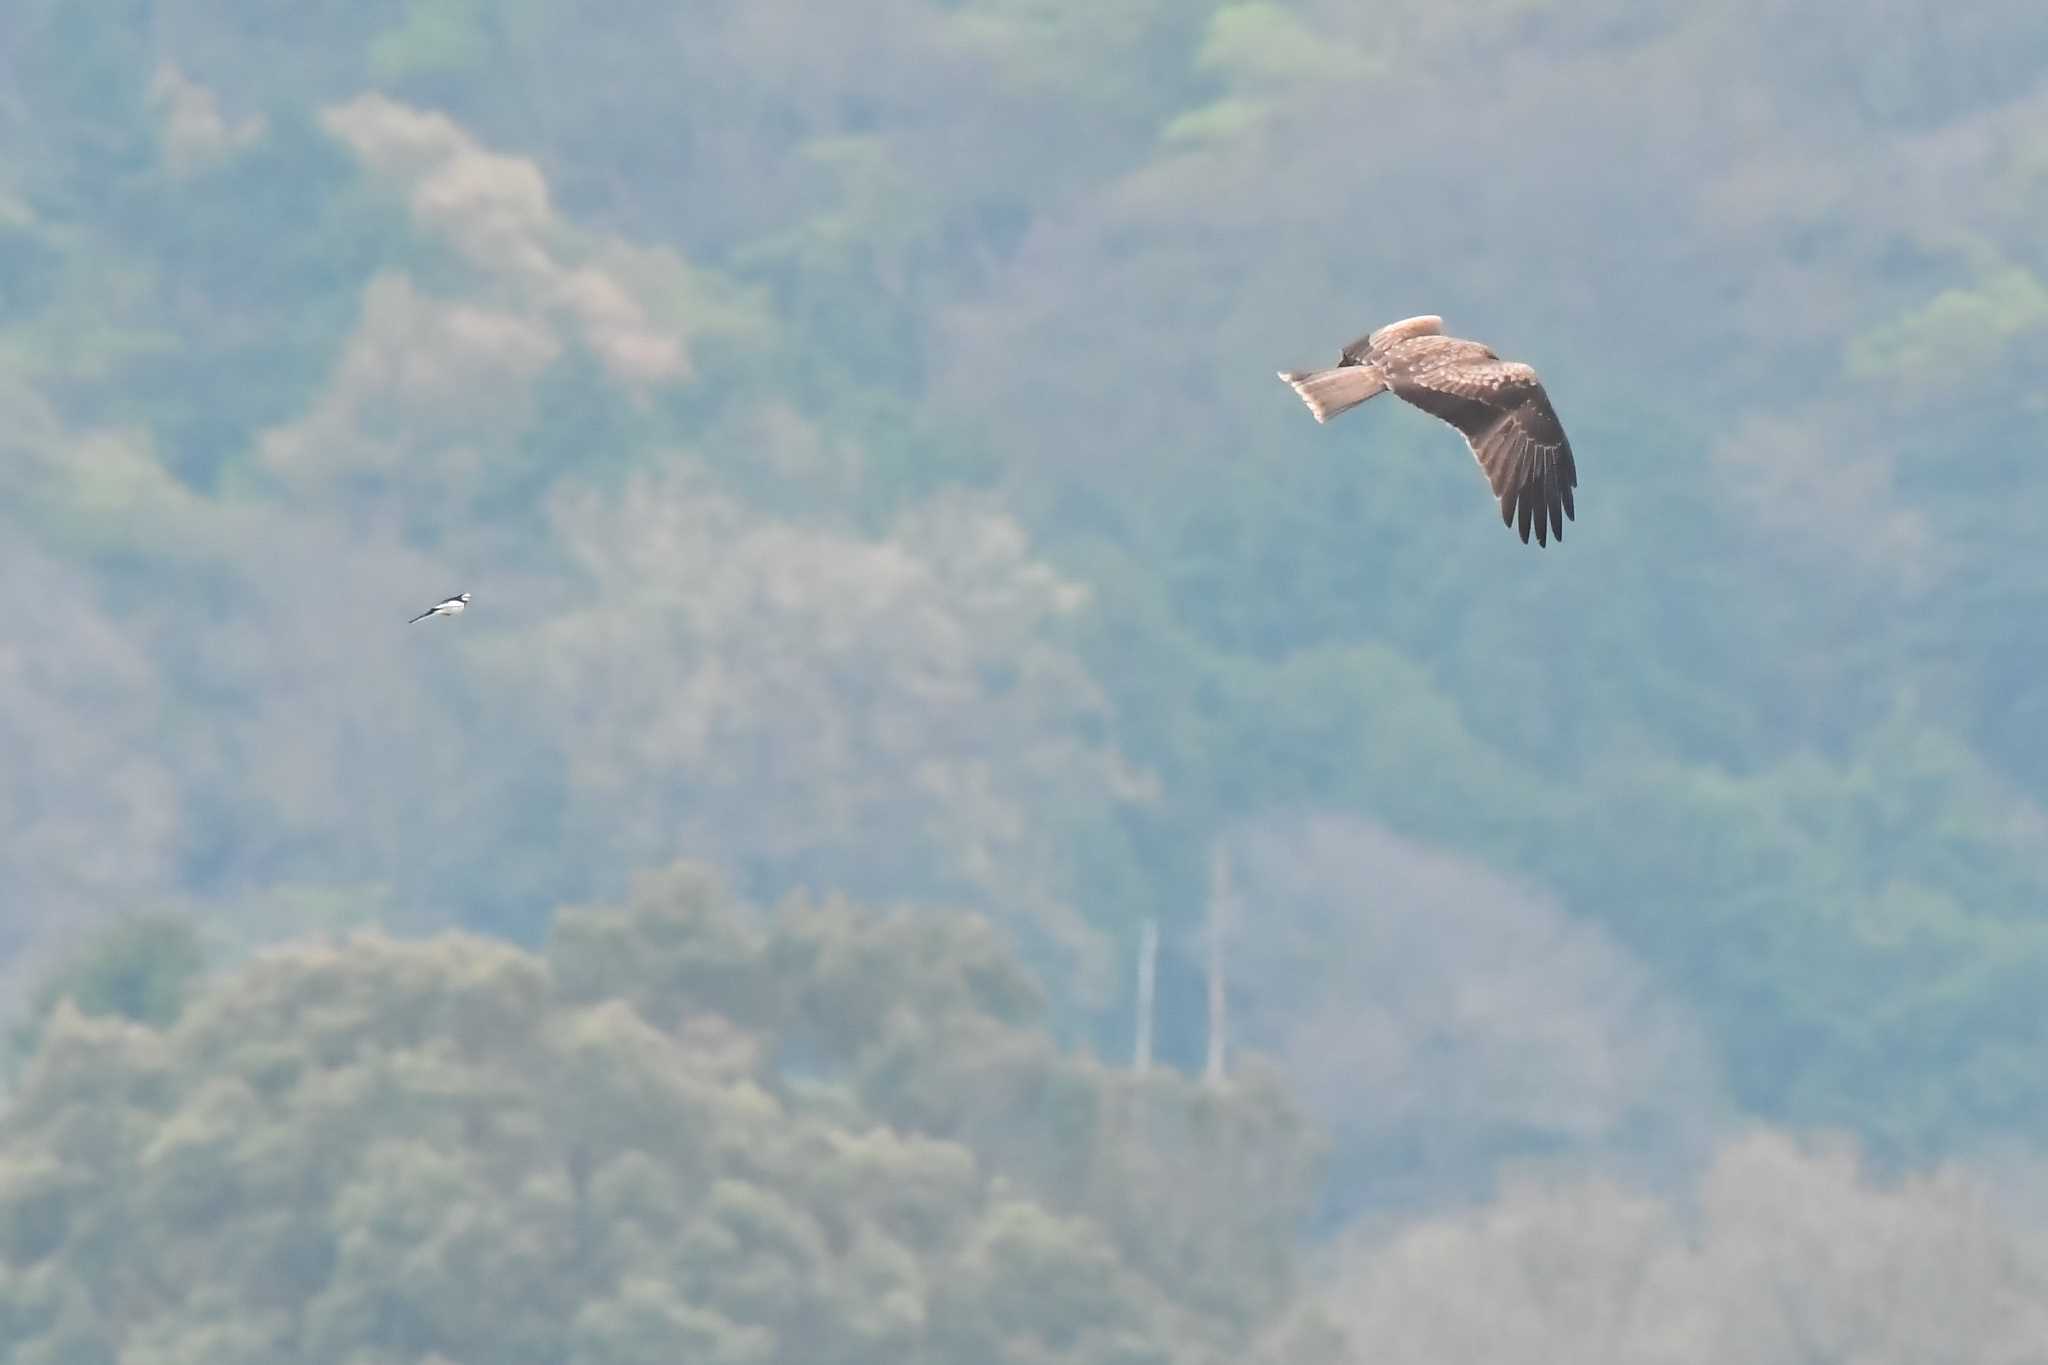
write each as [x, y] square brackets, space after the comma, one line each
[1148, 967]
[1219, 919]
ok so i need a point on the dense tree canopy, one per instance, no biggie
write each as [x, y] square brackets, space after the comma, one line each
[688, 1129]
[1784, 1252]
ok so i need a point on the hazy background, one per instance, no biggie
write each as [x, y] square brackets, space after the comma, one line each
[898, 576]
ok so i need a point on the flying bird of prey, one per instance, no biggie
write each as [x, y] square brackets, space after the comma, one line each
[1498, 405]
[447, 606]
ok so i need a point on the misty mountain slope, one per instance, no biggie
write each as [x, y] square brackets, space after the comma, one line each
[866, 457]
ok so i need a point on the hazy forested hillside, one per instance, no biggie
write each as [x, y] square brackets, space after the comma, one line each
[459, 1150]
[857, 426]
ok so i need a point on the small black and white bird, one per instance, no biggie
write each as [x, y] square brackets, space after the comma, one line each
[447, 606]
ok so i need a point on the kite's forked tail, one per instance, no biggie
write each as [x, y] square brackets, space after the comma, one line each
[1329, 392]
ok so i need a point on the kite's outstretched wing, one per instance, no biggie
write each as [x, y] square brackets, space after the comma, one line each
[1499, 406]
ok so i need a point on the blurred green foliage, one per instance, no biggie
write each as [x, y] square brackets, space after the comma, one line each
[140, 969]
[1772, 716]
[688, 1127]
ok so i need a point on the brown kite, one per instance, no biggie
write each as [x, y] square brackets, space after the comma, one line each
[1498, 405]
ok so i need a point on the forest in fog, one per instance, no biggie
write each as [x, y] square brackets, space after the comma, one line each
[899, 580]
